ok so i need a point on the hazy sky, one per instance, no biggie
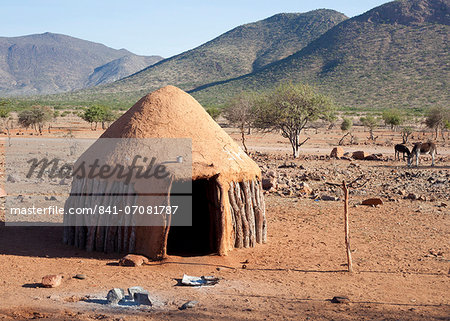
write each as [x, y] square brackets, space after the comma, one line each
[152, 27]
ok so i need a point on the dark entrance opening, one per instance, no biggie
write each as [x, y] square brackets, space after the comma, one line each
[197, 239]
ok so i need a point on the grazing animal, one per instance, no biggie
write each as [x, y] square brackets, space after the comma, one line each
[422, 148]
[400, 148]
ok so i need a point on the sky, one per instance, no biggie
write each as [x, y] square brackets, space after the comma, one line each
[151, 27]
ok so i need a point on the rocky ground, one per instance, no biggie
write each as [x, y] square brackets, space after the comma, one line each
[400, 253]
[321, 178]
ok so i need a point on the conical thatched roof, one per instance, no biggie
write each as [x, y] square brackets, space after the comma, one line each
[171, 113]
[230, 186]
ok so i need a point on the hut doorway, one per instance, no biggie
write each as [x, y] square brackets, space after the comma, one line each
[200, 238]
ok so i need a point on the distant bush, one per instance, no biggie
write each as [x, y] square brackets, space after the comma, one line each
[438, 118]
[35, 117]
[289, 108]
[346, 124]
[213, 111]
[240, 112]
[393, 117]
[98, 114]
[370, 122]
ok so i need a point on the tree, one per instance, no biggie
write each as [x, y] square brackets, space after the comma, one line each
[437, 118]
[346, 126]
[35, 117]
[406, 132]
[213, 111]
[393, 117]
[370, 122]
[4, 112]
[108, 117]
[289, 108]
[240, 112]
[97, 114]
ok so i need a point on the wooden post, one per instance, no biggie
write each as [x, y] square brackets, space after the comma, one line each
[347, 238]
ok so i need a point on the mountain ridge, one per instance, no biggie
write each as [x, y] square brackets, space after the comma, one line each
[233, 53]
[398, 58]
[50, 62]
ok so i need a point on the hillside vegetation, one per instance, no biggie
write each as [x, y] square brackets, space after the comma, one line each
[396, 55]
[242, 50]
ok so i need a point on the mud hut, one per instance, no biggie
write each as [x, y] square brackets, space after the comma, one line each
[227, 198]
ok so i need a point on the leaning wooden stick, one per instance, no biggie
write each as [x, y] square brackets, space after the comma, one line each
[347, 237]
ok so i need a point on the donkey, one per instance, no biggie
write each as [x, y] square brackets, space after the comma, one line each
[400, 148]
[422, 148]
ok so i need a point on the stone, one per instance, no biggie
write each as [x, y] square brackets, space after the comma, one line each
[304, 188]
[188, 305]
[133, 290]
[373, 157]
[80, 276]
[133, 260]
[329, 198]
[286, 165]
[269, 183]
[11, 179]
[411, 196]
[3, 192]
[141, 298]
[272, 174]
[340, 299]
[115, 295]
[337, 152]
[63, 182]
[372, 201]
[52, 280]
[360, 155]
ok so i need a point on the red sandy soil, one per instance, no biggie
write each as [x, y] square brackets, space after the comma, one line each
[400, 257]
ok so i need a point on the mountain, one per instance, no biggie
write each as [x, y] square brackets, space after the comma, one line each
[237, 52]
[120, 68]
[395, 55]
[49, 63]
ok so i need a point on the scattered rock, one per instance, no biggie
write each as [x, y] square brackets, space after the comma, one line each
[63, 182]
[80, 276]
[411, 196]
[304, 188]
[269, 183]
[52, 280]
[11, 179]
[372, 202]
[329, 198]
[188, 305]
[133, 260]
[141, 298]
[135, 289]
[115, 295]
[360, 155]
[51, 198]
[374, 157]
[340, 299]
[286, 165]
[337, 152]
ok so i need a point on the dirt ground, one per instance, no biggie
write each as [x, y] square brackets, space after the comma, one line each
[400, 249]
